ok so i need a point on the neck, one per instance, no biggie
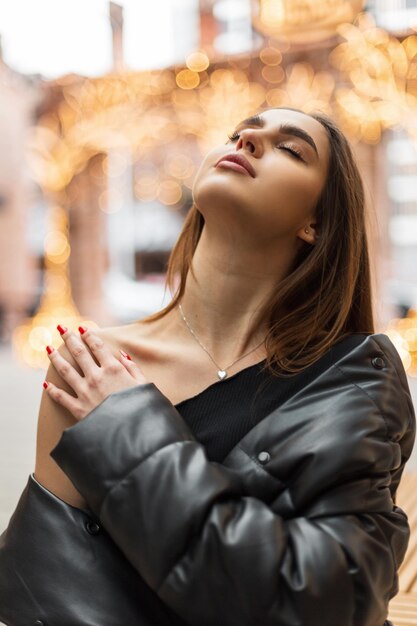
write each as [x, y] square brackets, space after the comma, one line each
[223, 302]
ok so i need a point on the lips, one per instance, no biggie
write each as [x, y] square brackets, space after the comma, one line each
[240, 160]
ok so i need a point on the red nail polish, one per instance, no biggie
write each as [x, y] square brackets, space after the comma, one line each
[126, 355]
[82, 329]
[45, 384]
[62, 329]
[49, 349]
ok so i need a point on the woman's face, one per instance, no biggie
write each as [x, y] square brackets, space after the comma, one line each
[289, 156]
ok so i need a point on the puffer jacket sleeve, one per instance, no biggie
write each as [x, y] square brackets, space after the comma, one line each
[216, 551]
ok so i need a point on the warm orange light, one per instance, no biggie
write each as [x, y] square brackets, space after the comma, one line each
[270, 56]
[197, 61]
[170, 192]
[187, 79]
[304, 21]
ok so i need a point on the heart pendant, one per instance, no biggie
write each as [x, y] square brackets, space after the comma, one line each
[222, 374]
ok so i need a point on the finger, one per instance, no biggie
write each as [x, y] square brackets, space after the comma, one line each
[66, 371]
[63, 398]
[78, 350]
[97, 346]
[131, 366]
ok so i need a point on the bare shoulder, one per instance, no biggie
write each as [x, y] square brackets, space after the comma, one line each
[147, 344]
[53, 419]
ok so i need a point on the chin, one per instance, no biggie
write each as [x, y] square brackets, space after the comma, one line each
[219, 195]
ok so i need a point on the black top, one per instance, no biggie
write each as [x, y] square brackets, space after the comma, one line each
[222, 414]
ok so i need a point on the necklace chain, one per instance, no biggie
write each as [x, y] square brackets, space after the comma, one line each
[221, 373]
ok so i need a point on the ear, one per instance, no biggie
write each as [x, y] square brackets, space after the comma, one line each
[309, 233]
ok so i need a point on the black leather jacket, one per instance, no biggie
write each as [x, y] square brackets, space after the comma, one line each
[297, 527]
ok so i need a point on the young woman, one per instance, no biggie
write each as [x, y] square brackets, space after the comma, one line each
[240, 467]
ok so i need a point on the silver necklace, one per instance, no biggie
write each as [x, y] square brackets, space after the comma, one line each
[221, 373]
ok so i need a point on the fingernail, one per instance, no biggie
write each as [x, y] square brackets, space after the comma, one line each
[62, 329]
[125, 354]
[49, 349]
[45, 384]
[82, 329]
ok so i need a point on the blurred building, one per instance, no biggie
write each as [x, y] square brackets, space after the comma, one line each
[397, 183]
[19, 199]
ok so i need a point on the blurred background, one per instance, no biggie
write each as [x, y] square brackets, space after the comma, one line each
[106, 110]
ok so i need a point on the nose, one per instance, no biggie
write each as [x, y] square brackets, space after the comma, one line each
[250, 139]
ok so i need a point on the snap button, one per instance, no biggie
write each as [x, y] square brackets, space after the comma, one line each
[378, 362]
[92, 527]
[38, 622]
[264, 457]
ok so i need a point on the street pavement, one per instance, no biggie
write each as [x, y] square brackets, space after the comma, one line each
[20, 393]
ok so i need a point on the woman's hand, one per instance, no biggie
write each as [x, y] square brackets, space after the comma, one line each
[99, 381]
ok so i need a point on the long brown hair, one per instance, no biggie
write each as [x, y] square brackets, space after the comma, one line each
[327, 292]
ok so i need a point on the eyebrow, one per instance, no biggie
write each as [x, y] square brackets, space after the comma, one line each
[287, 129]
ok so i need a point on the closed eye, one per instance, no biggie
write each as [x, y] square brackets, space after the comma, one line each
[292, 151]
[234, 136]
